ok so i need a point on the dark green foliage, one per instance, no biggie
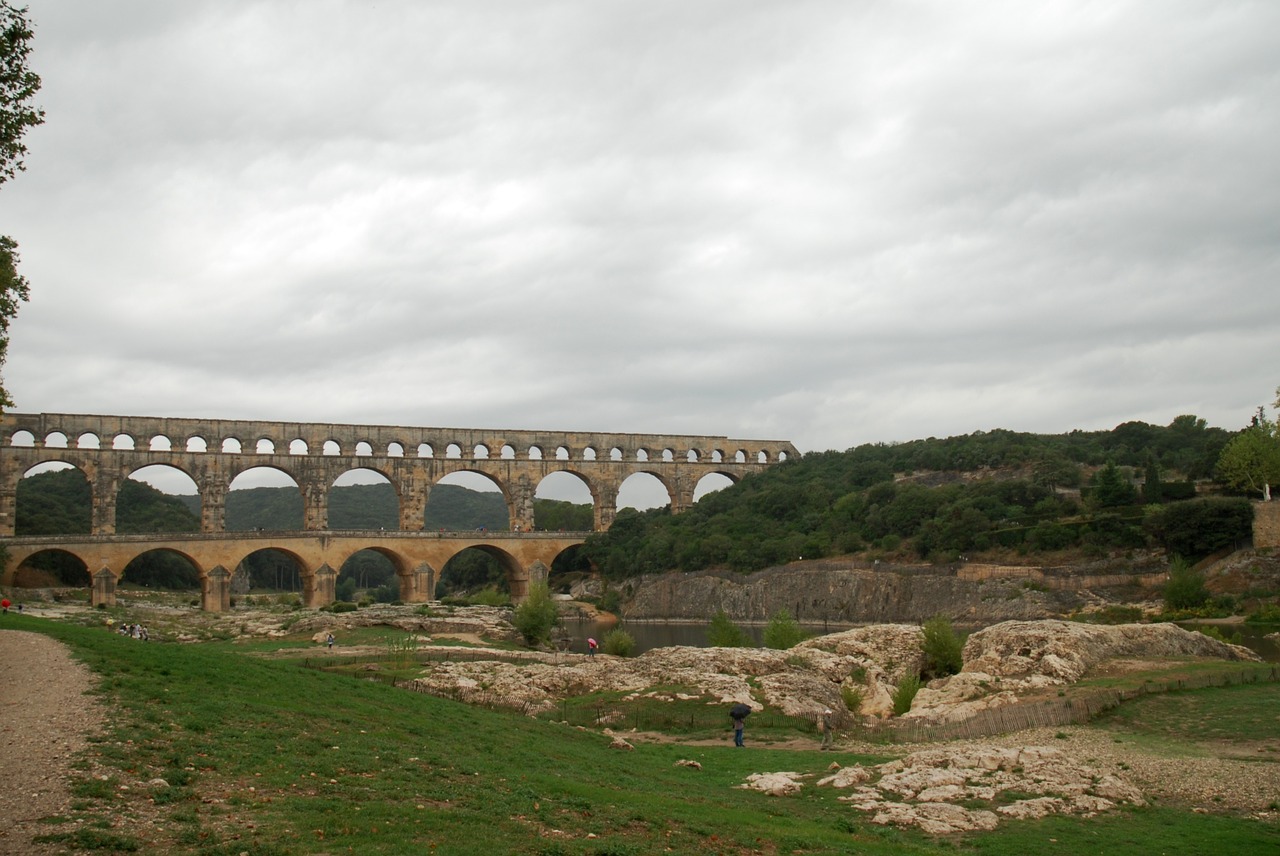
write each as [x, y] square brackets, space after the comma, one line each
[553, 515]
[370, 569]
[274, 509]
[471, 570]
[271, 569]
[57, 503]
[346, 589]
[905, 693]
[1200, 527]
[1152, 489]
[1111, 488]
[162, 569]
[723, 633]
[537, 615]
[1185, 588]
[363, 506]
[783, 631]
[836, 503]
[618, 642]
[942, 648]
[141, 508]
[457, 508]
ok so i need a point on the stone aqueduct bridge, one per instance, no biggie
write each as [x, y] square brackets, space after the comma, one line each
[107, 449]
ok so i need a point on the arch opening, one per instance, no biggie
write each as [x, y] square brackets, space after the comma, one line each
[363, 498]
[478, 575]
[368, 575]
[267, 571]
[161, 569]
[467, 501]
[710, 483]
[643, 491]
[569, 567]
[53, 498]
[264, 498]
[157, 498]
[52, 569]
[562, 502]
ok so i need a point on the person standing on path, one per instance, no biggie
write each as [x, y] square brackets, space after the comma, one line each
[825, 728]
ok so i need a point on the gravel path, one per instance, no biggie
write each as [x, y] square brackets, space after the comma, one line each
[46, 717]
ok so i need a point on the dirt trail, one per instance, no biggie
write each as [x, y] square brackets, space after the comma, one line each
[46, 716]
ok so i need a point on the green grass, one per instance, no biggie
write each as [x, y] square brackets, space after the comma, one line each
[1246, 713]
[267, 757]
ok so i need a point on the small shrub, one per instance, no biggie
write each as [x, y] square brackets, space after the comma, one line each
[942, 648]
[783, 631]
[1185, 588]
[852, 697]
[340, 606]
[618, 642]
[537, 615]
[723, 633]
[905, 694]
[490, 597]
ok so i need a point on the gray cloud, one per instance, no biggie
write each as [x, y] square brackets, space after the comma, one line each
[832, 223]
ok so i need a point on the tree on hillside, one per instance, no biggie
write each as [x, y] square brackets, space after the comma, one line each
[1111, 489]
[1251, 461]
[18, 85]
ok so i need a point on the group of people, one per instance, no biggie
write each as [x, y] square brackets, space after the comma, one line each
[137, 631]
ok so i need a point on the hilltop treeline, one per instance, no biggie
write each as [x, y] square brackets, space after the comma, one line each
[938, 500]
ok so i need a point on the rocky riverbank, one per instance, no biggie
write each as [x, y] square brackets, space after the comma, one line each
[849, 592]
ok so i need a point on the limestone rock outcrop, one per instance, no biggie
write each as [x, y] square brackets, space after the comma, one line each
[1064, 650]
[927, 789]
[1010, 659]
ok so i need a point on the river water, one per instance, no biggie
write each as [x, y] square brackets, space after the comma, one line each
[659, 634]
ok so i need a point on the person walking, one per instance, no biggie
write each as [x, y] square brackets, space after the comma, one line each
[826, 728]
[328, 640]
[739, 713]
[592, 645]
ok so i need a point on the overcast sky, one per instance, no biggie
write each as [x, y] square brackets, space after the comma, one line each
[828, 222]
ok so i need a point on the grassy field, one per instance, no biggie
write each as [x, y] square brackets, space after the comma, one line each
[265, 757]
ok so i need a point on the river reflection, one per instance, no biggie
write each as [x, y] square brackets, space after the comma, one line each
[661, 634]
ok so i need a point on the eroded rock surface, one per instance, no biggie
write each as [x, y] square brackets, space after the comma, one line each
[937, 789]
[1006, 661]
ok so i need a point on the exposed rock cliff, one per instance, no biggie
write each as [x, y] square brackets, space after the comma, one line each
[854, 593]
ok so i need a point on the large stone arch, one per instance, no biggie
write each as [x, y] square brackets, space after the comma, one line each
[307, 488]
[197, 576]
[387, 477]
[512, 496]
[518, 577]
[27, 574]
[673, 490]
[591, 485]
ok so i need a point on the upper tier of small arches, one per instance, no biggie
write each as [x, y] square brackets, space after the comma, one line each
[140, 433]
